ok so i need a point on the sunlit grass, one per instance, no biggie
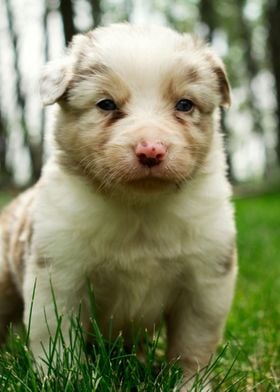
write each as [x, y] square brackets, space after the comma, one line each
[249, 359]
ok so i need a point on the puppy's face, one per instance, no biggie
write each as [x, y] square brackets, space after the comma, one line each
[137, 106]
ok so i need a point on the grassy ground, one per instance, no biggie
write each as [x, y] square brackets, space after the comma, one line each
[254, 324]
[249, 359]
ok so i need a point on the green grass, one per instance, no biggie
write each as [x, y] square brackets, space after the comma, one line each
[249, 359]
[254, 324]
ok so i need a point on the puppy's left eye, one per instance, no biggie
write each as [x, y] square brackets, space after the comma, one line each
[184, 105]
[107, 104]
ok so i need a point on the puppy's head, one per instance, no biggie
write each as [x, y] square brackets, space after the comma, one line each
[136, 106]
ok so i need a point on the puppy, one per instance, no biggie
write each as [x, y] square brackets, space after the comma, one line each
[134, 199]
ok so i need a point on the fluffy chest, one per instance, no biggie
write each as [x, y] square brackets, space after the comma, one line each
[80, 231]
[132, 296]
[133, 267]
[128, 253]
[96, 233]
[133, 262]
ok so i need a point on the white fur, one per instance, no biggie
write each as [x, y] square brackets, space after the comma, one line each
[54, 80]
[166, 256]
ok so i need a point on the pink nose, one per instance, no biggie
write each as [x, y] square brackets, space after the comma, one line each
[150, 153]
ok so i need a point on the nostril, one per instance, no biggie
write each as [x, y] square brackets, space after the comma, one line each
[141, 156]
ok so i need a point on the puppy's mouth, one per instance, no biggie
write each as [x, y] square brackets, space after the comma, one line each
[149, 183]
[153, 178]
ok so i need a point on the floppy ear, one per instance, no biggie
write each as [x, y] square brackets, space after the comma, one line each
[216, 66]
[54, 80]
[224, 85]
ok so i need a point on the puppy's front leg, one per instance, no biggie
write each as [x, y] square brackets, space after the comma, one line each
[54, 300]
[195, 323]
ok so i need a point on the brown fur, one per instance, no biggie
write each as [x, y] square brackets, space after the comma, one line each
[11, 303]
[15, 242]
[16, 226]
[224, 85]
[231, 261]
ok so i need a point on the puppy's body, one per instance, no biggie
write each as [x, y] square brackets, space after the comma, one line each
[156, 237]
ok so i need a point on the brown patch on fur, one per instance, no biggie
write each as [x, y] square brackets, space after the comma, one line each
[181, 120]
[42, 262]
[231, 261]
[81, 75]
[194, 150]
[114, 117]
[21, 241]
[192, 75]
[224, 85]
[176, 88]
[170, 93]
[16, 228]
[15, 242]
[104, 83]
[198, 150]
[11, 303]
[223, 82]
[79, 148]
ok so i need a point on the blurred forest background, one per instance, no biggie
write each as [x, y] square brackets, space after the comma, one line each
[246, 33]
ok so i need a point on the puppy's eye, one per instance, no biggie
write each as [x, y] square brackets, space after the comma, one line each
[184, 105]
[107, 104]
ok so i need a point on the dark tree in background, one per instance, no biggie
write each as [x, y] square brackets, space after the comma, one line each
[67, 11]
[67, 14]
[210, 18]
[96, 12]
[46, 58]
[4, 171]
[34, 149]
[251, 63]
[273, 11]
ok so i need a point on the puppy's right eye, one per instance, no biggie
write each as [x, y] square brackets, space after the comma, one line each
[107, 104]
[184, 105]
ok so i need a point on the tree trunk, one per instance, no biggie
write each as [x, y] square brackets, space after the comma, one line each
[5, 175]
[67, 14]
[34, 150]
[274, 44]
[251, 64]
[208, 17]
[46, 58]
[96, 12]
